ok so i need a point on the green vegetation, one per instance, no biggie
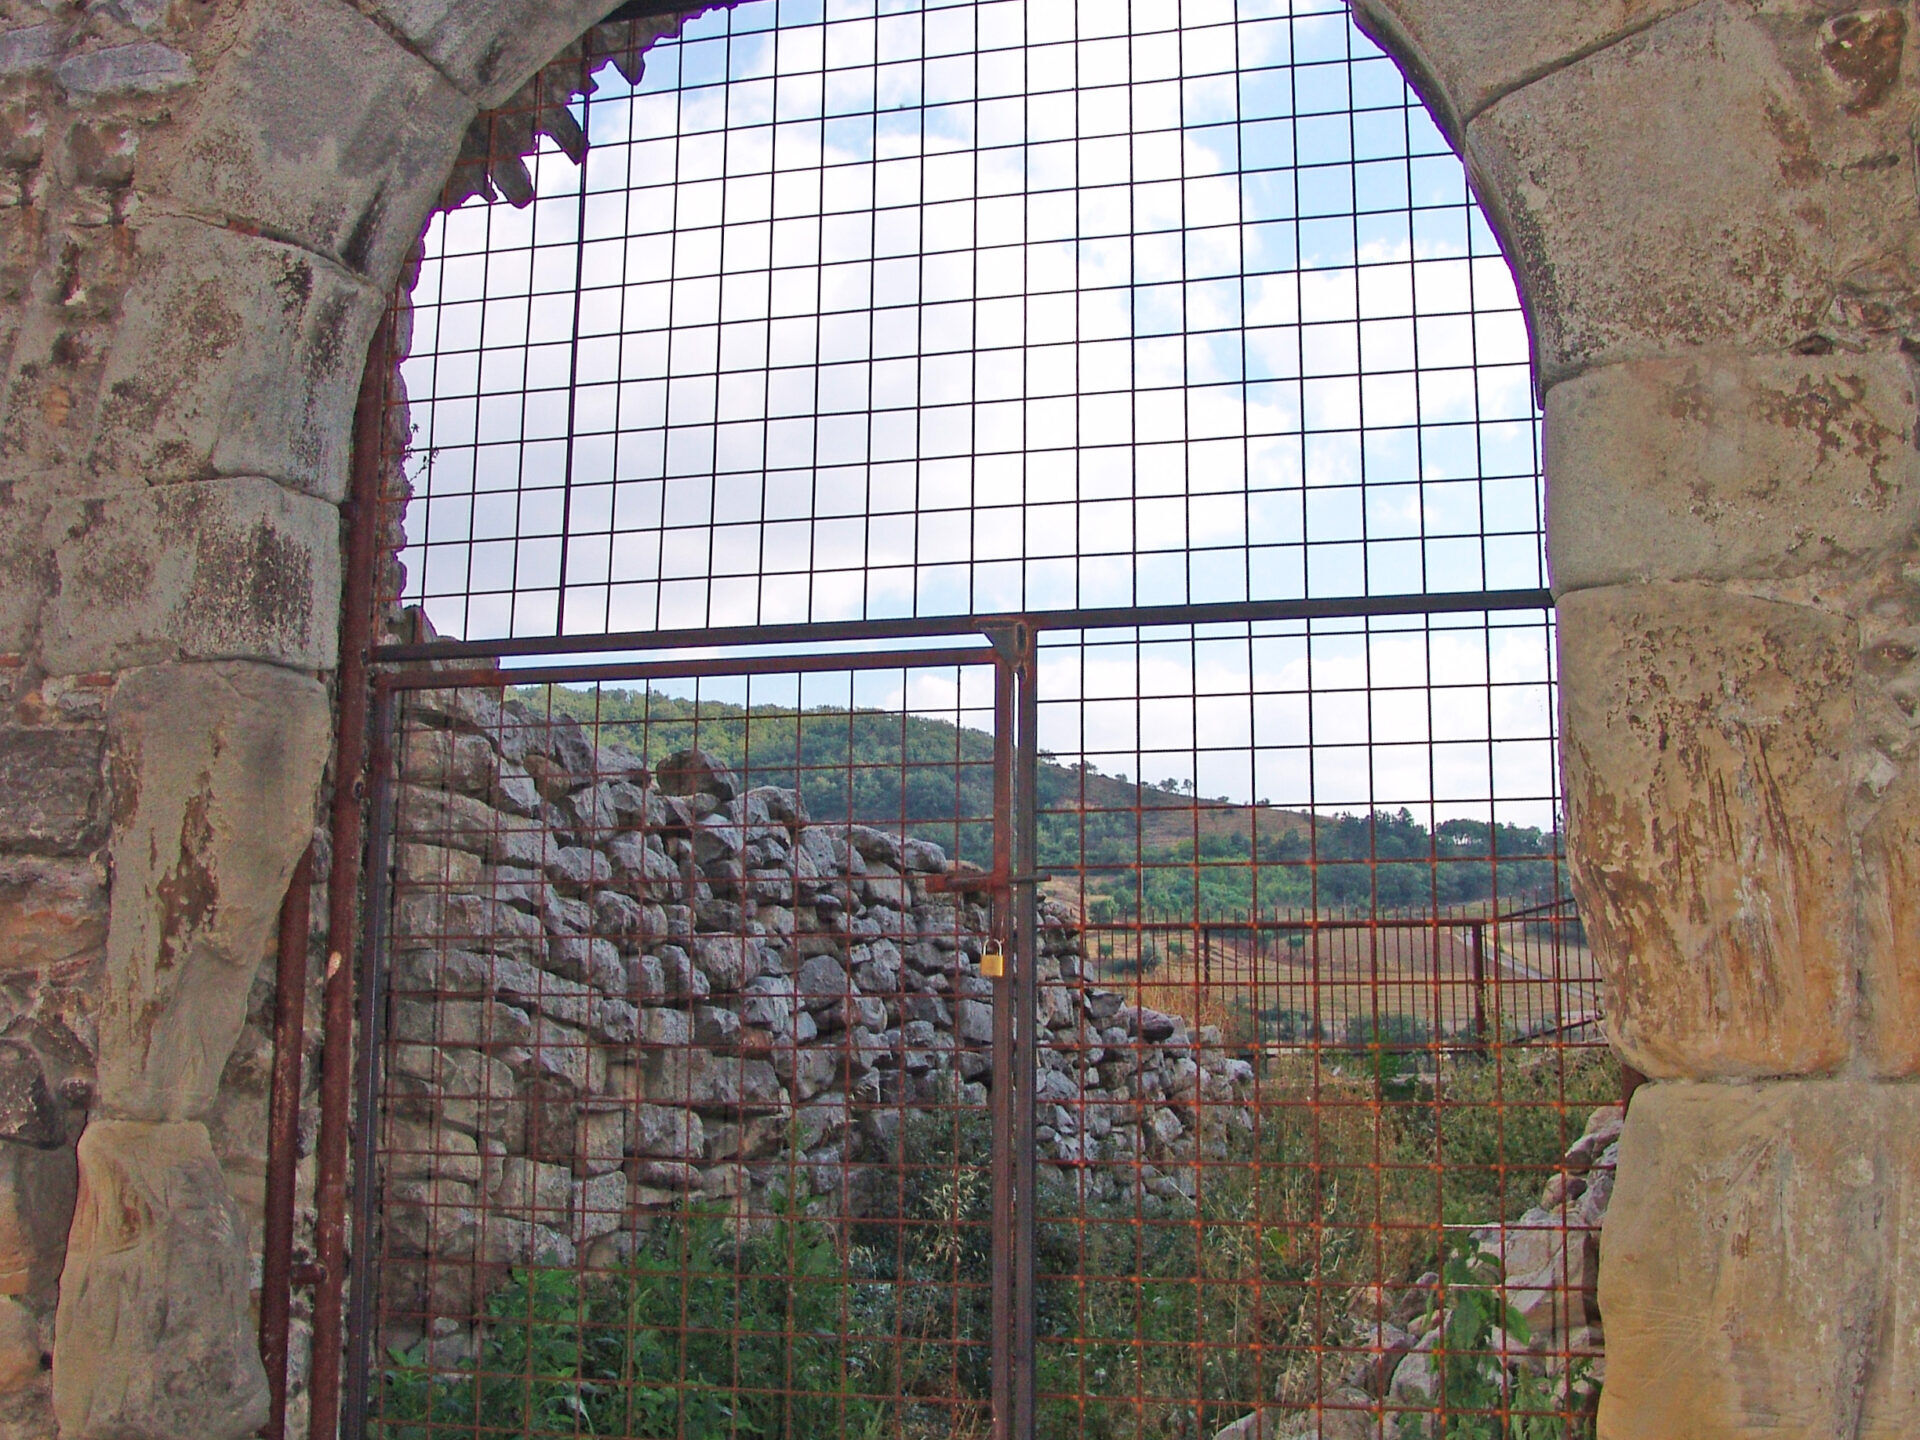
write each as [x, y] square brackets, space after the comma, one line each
[1483, 1401]
[1148, 1324]
[697, 1336]
[1143, 849]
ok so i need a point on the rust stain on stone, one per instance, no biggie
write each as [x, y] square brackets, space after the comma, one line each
[1862, 51]
[294, 284]
[186, 897]
[1797, 162]
[188, 893]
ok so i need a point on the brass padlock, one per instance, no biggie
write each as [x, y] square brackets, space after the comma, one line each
[993, 960]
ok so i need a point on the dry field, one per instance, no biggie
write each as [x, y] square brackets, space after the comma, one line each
[1340, 984]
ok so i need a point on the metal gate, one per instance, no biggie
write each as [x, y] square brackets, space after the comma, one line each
[689, 1065]
[772, 1058]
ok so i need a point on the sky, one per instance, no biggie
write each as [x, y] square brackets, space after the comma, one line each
[887, 309]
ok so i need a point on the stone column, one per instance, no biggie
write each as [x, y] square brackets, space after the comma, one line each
[1712, 211]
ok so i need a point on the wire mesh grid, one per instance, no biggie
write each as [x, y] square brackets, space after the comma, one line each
[700, 1112]
[1319, 865]
[969, 308]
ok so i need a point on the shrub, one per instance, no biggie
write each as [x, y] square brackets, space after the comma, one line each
[1482, 1398]
[701, 1336]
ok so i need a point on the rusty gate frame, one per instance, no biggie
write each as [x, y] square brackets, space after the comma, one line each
[1010, 882]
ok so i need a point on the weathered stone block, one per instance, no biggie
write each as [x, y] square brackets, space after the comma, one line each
[460, 1088]
[439, 867]
[153, 1336]
[451, 760]
[54, 784]
[1705, 738]
[461, 1023]
[1717, 466]
[142, 68]
[317, 126]
[689, 1076]
[432, 1217]
[221, 569]
[417, 1149]
[667, 1133]
[600, 1141]
[489, 49]
[460, 821]
[1702, 222]
[1757, 1274]
[53, 911]
[543, 1192]
[235, 355]
[1465, 54]
[214, 773]
[28, 47]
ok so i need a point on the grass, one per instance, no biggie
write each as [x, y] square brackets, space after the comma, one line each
[1157, 1317]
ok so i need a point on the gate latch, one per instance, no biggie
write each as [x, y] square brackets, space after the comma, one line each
[993, 960]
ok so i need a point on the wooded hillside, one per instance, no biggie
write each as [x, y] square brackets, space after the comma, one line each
[1125, 848]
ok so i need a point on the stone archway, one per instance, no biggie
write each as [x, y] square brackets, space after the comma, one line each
[1711, 207]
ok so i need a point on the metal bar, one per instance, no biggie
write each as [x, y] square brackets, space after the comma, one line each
[371, 1024]
[1477, 963]
[573, 359]
[283, 1139]
[343, 883]
[857, 631]
[1265, 927]
[1002, 1094]
[1547, 907]
[1024, 994]
[692, 667]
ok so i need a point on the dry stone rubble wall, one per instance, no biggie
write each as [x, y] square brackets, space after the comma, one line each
[614, 992]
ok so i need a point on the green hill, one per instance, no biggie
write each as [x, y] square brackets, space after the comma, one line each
[1132, 849]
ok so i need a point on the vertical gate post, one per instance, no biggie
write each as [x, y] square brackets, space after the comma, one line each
[1025, 994]
[1002, 1093]
[371, 1026]
[283, 1140]
[343, 888]
[1477, 960]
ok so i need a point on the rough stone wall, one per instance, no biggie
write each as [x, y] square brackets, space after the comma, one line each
[1711, 207]
[613, 992]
